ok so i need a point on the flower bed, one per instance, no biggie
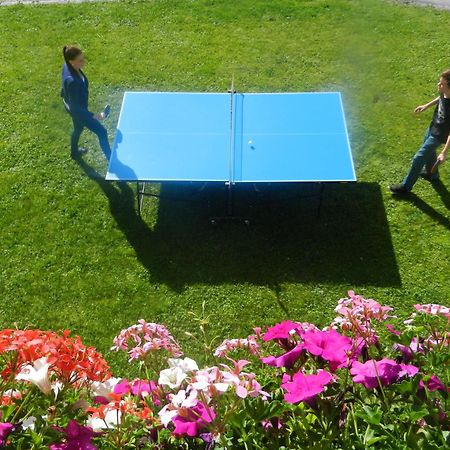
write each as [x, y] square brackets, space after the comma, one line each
[368, 380]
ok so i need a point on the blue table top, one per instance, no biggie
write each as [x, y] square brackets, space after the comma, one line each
[241, 138]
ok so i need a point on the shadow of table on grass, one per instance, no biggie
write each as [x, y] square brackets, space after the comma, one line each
[349, 243]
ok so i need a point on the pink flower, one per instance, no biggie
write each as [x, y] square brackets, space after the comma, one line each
[78, 437]
[330, 345]
[287, 359]
[356, 316]
[140, 387]
[433, 309]
[434, 384]
[387, 369]
[190, 422]
[145, 337]
[392, 330]
[229, 345]
[101, 399]
[5, 430]
[305, 387]
[280, 330]
[123, 387]
[274, 422]
[409, 351]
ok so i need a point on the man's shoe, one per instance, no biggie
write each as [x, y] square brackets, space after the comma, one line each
[398, 189]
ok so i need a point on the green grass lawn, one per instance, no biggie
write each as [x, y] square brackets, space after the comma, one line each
[74, 253]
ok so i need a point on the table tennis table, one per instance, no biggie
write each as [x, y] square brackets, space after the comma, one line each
[231, 138]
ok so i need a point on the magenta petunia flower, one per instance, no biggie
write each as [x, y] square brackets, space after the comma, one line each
[78, 437]
[387, 369]
[123, 387]
[434, 384]
[287, 359]
[140, 387]
[330, 345]
[192, 421]
[408, 351]
[280, 330]
[101, 399]
[305, 387]
[5, 430]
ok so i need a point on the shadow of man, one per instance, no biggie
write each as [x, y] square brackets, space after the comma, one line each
[442, 191]
[426, 208]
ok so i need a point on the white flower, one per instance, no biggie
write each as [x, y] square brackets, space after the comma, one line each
[166, 415]
[37, 374]
[28, 423]
[179, 400]
[186, 364]
[12, 393]
[201, 382]
[112, 419]
[172, 377]
[221, 387]
[105, 388]
[56, 388]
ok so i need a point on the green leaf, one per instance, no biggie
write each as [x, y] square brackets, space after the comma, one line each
[370, 437]
[417, 412]
[370, 415]
[408, 386]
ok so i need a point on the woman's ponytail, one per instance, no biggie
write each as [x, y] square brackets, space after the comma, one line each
[70, 52]
[64, 53]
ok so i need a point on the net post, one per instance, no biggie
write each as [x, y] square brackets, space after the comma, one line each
[319, 208]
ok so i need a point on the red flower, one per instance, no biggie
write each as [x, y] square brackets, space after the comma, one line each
[69, 358]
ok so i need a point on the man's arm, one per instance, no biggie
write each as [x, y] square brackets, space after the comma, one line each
[444, 152]
[421, 108]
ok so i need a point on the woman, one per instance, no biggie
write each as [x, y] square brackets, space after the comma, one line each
[75, 94]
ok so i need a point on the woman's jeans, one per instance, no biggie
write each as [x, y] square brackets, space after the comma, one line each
[96, 127]
[425, 156]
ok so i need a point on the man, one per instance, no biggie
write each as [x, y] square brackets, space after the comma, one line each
[425, 162]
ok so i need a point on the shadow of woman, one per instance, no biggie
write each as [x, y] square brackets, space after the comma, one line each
[122, 205]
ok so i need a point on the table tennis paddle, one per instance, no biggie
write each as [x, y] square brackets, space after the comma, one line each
[436, 165]
[106, 111]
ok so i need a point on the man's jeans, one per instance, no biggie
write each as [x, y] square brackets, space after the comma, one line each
[425, 156]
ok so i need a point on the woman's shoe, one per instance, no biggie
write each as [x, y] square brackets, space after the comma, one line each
[81, 151]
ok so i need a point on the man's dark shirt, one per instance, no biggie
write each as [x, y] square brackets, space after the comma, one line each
[440, 125]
